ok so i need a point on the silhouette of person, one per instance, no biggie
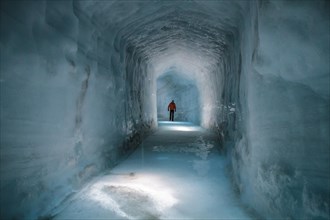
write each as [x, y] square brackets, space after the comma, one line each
[172, 108]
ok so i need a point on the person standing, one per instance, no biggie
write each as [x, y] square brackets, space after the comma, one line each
[172, 108]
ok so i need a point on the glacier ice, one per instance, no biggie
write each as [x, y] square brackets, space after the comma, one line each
[83, 83]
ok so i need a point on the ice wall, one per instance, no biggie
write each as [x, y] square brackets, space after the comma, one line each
[282, 160]
[69, 107]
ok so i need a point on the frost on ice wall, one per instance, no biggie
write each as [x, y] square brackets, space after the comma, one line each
[282, 158]
[68, 106]
[81, 85]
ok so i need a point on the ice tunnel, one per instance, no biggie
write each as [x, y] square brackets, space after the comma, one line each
[84, 82]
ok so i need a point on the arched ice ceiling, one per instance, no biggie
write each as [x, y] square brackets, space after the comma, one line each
[169, 30]
[196, 38]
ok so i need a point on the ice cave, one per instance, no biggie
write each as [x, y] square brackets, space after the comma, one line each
[85, 88]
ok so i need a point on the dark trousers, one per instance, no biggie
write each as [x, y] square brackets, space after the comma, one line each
[171, 115]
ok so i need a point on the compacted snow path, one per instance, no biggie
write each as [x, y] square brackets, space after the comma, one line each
[176, 173]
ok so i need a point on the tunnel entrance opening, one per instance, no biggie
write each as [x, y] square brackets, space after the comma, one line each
[173, 86]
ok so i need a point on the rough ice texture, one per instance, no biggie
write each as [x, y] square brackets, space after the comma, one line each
[68, 105]
[282, 160]
[79, 89]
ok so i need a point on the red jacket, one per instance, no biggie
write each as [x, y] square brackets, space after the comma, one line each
[171, 106]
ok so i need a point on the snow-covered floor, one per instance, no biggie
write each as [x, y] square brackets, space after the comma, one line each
[176, 173]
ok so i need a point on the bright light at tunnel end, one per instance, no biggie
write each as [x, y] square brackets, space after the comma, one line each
[192, 64]
[178, 126]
